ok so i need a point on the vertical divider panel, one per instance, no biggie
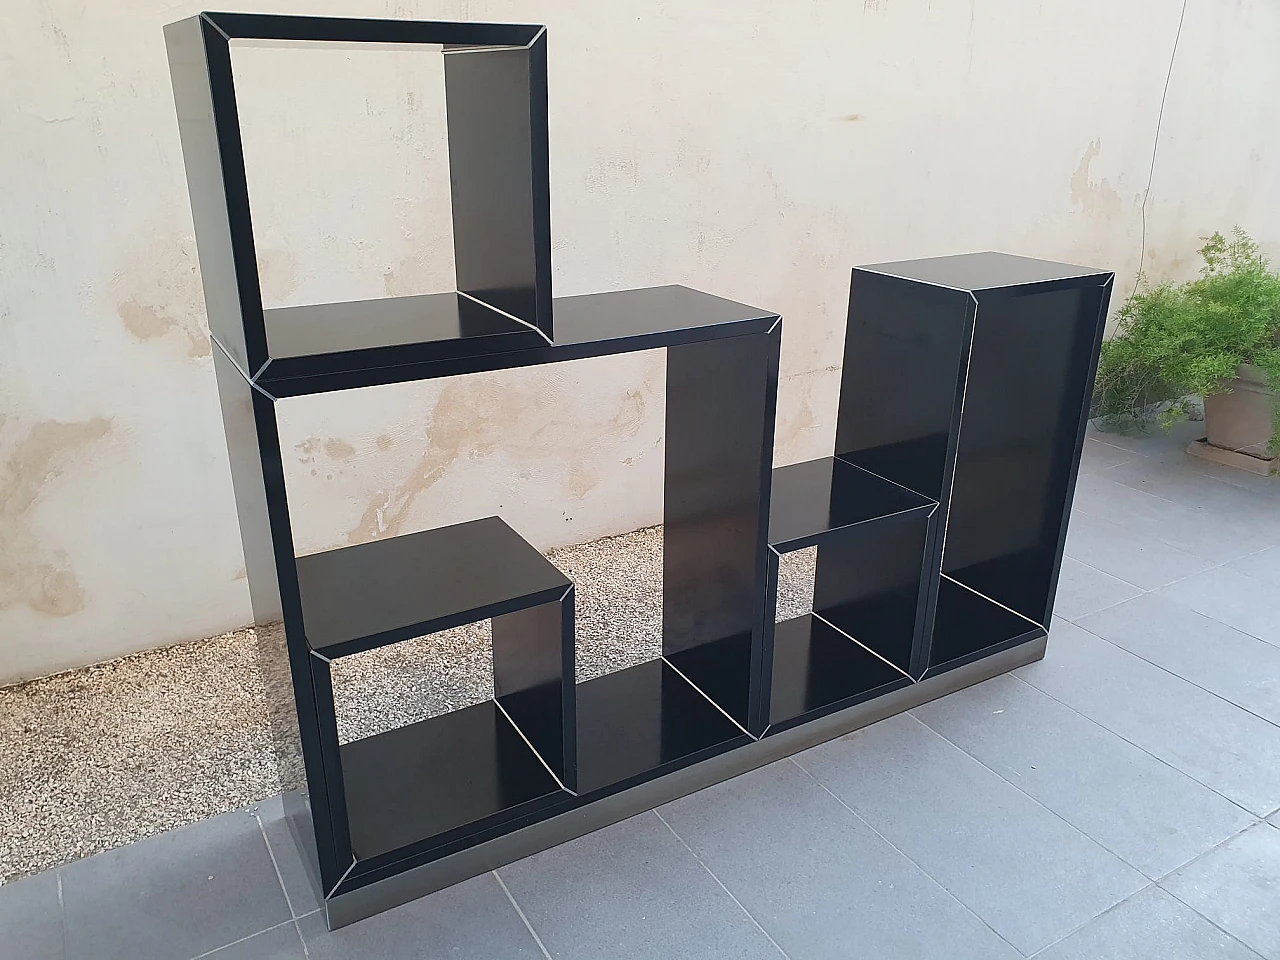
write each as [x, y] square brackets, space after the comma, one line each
[496, 102]
[533, 680]
[1034, 350]
[204, 97]
[721, 404]
[906, 358]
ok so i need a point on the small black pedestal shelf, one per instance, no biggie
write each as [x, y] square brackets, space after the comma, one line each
[939, 520]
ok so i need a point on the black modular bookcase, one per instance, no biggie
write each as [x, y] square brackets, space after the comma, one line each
[938, 522]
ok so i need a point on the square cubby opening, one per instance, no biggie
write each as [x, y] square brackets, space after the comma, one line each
[457, 773]
[861, 545]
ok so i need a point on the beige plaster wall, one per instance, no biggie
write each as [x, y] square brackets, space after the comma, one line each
[753, 149]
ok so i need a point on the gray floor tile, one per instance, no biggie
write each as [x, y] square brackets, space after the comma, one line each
[1139, 808]
[278, 943]
[1175, 479]
[1083, 590]
[173, 896]
[1234, 665]
[1155, 441]
[1237, 886]
[1261, 566]
[472, 919]
[1239, 601]
[1099, 454]
[1023, 870]
[30, 918]
[1207, 738]
[817, 878]
[1186, 527]
[1130, 556]
[303, 896]
[631, 889]
[1151, 925]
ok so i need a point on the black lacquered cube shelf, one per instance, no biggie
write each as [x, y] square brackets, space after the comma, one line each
[871, 584]
[939, 521]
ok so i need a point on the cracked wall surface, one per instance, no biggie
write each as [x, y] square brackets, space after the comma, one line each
[750, 149]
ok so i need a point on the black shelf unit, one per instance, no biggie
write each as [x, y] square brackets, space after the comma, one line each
[939, 520]
[968, 379]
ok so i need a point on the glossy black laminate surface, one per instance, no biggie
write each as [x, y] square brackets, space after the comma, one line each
[967, 626]
[872, 581]
[330, 337]
[642, 722]
[721, 397]
[496, 102]
[817, 670]
[593, 325]
[906, 349]
[266, 26]
[381, 592]
[1027, 391]
[533, 674]
[815, 497]
[987, 271]
[424, 783]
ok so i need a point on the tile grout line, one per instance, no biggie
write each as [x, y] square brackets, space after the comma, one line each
[1034, 800]
[1130, 742]
[1204, 853]
[523, 919]
[1209, 920]
[62, 914]
[276, 866]
[902, 853]
[1179, 676]
[1105, 573]
[712, 875]
[306, 951]
[1115, 906]
[274, 926]
[1151, 881]
[1189, 682]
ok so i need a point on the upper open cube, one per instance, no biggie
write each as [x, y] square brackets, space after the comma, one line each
[495, 105]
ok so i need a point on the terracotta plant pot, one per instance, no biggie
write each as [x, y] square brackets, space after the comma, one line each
[1240, 421]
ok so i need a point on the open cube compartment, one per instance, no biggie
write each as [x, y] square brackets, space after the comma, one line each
[495, 78]
[422, 785]
[870, 587]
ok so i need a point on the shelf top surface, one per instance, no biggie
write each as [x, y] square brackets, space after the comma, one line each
[387, 322]
[423, 582]
[640, 720]
[985, 271]
[333, 346]
[645, 312]
[815, 497]
[449, 33]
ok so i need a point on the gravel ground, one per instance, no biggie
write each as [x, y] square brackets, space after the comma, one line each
[105, 755]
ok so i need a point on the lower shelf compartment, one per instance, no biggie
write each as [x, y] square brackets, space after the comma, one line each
[1018, 580]
[431, 781]
[968, 626]
[644, 721]
[818, 670]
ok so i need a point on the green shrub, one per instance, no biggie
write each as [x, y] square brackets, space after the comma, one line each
[1176, 340]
